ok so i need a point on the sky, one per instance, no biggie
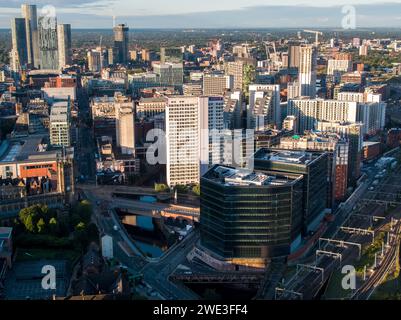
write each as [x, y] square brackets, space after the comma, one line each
[212, 13]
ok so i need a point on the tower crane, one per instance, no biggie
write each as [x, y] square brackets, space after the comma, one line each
[317, 34]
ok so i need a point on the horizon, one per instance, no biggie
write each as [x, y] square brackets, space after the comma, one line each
[92, 14]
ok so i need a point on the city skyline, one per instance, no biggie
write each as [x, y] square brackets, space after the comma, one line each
[233, 14]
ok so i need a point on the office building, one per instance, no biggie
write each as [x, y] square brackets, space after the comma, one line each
[309, 111]
[171, 55]
[30, 168]
[64, 45]
[338, 66]
[192, 89]
[264, 107]
[217, 83]
[249, 218]
[125, 130]
[338, 151]
[121, 39]
[182, 140]
[238, 70]
[170, 74]
[104, 111]
[313, 167]
[48, 44]
[352, 132]
[150, 107]
[307, 71]
[60, 124]
[29, 12]
[96, 60]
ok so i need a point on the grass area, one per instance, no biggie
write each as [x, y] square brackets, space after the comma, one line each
[43, 254]
[368, 253]
[390, 289]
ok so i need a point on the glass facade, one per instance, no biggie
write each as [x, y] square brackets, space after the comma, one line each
[315, 183]
[250, 222]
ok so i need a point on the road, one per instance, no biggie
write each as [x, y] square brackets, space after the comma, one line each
[156, 272]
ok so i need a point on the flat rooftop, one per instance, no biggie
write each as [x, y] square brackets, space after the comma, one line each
[31, 148]
[228, 176]
[286, 156]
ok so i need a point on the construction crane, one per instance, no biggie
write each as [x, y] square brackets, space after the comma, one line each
[317, 34]
[272, 57]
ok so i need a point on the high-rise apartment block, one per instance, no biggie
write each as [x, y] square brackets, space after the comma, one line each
[264, 107]
[48, 44]
[307, 71]
[182, 140]
[64, 45]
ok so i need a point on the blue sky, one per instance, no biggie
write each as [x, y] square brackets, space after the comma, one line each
[213, 13]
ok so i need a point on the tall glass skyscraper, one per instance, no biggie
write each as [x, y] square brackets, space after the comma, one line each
[29, 12]
[18, 32]
[121, 39]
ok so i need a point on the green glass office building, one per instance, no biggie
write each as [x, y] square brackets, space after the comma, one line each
[249, 217]
[312, 166]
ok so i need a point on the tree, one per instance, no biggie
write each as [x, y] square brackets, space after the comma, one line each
[80, 226]
[196, 190]
[53, 226]
[41, 225]
[160, 187]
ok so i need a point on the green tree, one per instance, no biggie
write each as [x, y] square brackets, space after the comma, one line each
[41, 226]
[53, 226]
[196, 190]
[80, 226]
[160, 187]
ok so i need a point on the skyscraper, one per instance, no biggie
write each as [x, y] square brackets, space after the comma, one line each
[121, 42]
[182, 140]
[293, 56]
[211, 125]
[64, 45]
[264, 107]
[29, 12]
[48, 45]
[307, 71]
[18, 32]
